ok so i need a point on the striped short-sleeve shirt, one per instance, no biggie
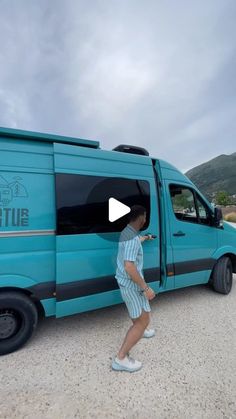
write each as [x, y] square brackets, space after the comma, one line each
[129, 249]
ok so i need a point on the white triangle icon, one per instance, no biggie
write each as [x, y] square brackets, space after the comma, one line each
[117, 209]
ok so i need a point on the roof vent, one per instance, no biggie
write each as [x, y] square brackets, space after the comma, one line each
[125, 148]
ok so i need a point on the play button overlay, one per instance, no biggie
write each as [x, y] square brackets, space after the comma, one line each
[117, 210]
[107, 207]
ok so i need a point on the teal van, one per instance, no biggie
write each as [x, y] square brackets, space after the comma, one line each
[58, 248]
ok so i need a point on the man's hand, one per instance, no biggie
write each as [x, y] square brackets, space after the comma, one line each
[147, 237]
[150, 294]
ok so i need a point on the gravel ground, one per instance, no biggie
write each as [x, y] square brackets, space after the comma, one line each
[189, 367]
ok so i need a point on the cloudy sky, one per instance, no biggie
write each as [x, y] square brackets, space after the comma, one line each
[159, 74]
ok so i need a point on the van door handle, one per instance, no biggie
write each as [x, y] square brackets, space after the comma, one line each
[179, 234]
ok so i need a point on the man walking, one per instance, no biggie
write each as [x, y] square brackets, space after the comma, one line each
[134, 290]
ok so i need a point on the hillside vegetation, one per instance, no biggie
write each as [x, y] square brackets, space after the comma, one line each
[218, 174]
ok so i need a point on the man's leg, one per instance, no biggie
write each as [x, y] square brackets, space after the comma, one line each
[134, 334]
[133, 320]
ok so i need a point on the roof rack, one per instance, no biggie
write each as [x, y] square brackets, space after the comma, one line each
[125, 148]
[30, 135]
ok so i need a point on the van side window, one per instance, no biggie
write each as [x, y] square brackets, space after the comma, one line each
[203, 211]
[188, 205]
[183, 203]
[82, 202]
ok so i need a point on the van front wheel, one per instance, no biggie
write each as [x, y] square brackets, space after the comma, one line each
[222, 276]
[18, 319]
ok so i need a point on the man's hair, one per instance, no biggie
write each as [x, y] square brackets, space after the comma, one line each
[136, 211]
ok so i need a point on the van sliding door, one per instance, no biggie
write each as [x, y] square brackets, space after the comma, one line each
[86, 242]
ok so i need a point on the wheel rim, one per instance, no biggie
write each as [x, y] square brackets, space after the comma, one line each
[10, 323]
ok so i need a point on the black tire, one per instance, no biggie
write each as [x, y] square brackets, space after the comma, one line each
[222, 277]
[18, 320]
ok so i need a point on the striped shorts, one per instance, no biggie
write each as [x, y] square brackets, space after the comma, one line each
[135, 301]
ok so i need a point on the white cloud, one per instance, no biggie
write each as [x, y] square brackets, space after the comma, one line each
[158, 74]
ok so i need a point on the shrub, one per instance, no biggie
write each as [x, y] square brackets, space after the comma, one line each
[230, 217]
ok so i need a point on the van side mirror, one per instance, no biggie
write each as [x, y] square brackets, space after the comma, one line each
[218, 217]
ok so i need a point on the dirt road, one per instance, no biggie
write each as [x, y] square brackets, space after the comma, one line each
[189, 366]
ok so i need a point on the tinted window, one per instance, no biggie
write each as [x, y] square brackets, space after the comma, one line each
[82, 202]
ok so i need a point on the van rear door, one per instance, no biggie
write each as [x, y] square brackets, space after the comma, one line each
[86, 242]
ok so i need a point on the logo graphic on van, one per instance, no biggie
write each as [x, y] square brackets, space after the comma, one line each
[9, 191]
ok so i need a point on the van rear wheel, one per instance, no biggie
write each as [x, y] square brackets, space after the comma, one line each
[18, 320]
[222, 276]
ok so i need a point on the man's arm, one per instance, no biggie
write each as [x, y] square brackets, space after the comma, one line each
[134, 275]
[131, 251]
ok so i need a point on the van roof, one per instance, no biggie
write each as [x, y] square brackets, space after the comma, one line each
[38, 136]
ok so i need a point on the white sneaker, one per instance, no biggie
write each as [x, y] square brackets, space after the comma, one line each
[127, 364]
[149, 333]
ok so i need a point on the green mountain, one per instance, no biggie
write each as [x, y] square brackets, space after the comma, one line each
[218, 174]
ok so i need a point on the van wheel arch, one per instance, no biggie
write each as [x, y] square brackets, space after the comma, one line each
[24, 291]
